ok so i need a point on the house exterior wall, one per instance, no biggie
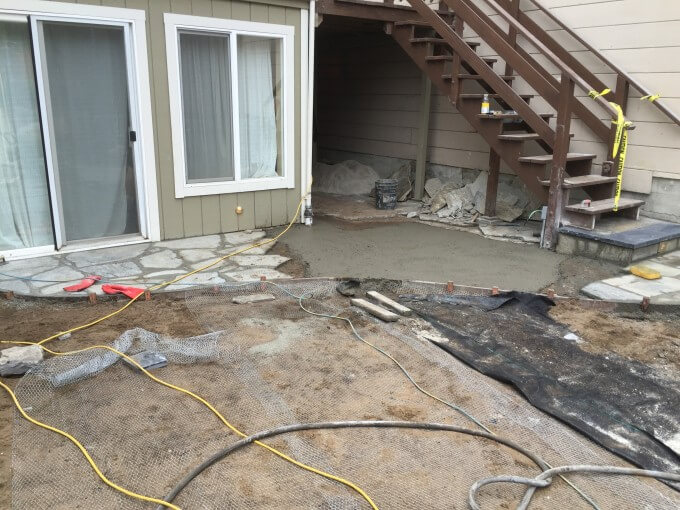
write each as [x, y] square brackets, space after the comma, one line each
[643, 39]
[202, 215]
[368, 105]
[376, 109]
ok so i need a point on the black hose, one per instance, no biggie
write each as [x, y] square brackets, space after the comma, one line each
[341, 425]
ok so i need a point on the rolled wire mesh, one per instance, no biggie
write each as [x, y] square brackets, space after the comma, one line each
[271, 363]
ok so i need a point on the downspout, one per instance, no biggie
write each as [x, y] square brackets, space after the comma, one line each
[307, 217]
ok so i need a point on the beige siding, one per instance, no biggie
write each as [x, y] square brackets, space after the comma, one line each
[368, 103]
[643, 38]
[193, 216]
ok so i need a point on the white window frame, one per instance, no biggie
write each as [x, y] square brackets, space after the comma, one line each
[286, 33]
[135, 22]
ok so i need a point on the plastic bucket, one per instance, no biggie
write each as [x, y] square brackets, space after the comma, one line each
[386, 193]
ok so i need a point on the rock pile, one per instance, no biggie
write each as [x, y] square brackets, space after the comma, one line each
[461, 204]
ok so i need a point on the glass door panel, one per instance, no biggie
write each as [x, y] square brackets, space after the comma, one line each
[25, 220]
[85, 79]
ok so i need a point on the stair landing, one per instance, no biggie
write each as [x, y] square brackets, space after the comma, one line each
[621, 240]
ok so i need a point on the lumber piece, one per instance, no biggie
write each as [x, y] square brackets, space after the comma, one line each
[374, 309]
[389, 303]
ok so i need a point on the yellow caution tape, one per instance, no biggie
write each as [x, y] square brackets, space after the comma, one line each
[651, 97]
[620, 145]
[595, 94]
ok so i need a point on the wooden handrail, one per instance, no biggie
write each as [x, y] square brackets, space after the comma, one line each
[554, 59]
[632, 81]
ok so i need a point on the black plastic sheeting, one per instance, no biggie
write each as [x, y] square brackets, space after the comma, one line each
[625, 406]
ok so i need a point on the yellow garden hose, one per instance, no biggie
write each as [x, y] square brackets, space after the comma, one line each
[108, 482]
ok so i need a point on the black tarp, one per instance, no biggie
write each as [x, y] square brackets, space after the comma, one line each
[624, 405]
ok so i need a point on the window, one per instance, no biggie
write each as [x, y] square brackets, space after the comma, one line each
[231, 102]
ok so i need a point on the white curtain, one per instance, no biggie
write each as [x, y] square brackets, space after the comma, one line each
[257, 109]
[24, 204]
[206, 107]
[88, 89]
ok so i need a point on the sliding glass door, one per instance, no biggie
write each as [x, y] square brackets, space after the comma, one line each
[68, 168]
[25, 220]
[85, 86]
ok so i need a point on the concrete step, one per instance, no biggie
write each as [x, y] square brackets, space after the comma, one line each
[620, 240]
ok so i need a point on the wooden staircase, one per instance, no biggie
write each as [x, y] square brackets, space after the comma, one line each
[576, 193]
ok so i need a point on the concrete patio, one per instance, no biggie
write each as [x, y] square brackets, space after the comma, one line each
[145, 265]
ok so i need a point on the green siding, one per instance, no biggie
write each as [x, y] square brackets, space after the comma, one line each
[195, 216]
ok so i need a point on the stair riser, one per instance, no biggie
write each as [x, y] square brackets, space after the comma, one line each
[488, 130]
[588, 221]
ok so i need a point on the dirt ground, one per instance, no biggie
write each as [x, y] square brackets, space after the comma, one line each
[652, 340]
[413, 251]
[35, 320]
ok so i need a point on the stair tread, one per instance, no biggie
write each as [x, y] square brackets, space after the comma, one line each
[583, 180]
[520, 137]
[493, 96]
[410, 22]
[547, 158]
[602, 206]
[514, 116]
[437, 40]
[476, 77]
[488, 60]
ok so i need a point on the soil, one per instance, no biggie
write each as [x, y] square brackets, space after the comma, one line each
[33, 320]
[276, 330]
[650, 338]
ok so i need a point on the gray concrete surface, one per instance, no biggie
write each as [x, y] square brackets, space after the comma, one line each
[420, 252]
[145, 265]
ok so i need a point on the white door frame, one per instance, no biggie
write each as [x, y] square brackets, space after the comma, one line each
[134, 23]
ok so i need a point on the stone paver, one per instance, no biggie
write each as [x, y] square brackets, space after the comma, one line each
[255, 274]
[664, 269]
[165, 259]
[665, 290]
[58, 274]
[237, 238]
[106, 255]
[212, 241]
[650, 288]
[197, 255]
[599, 290]
[114, 270]
[145, 265]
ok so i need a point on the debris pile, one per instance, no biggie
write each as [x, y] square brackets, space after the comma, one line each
[346, 178]
[461, 204]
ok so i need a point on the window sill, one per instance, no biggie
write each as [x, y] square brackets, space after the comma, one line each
[183, 190]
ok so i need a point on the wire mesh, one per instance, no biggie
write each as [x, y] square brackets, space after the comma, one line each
[268, 364]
